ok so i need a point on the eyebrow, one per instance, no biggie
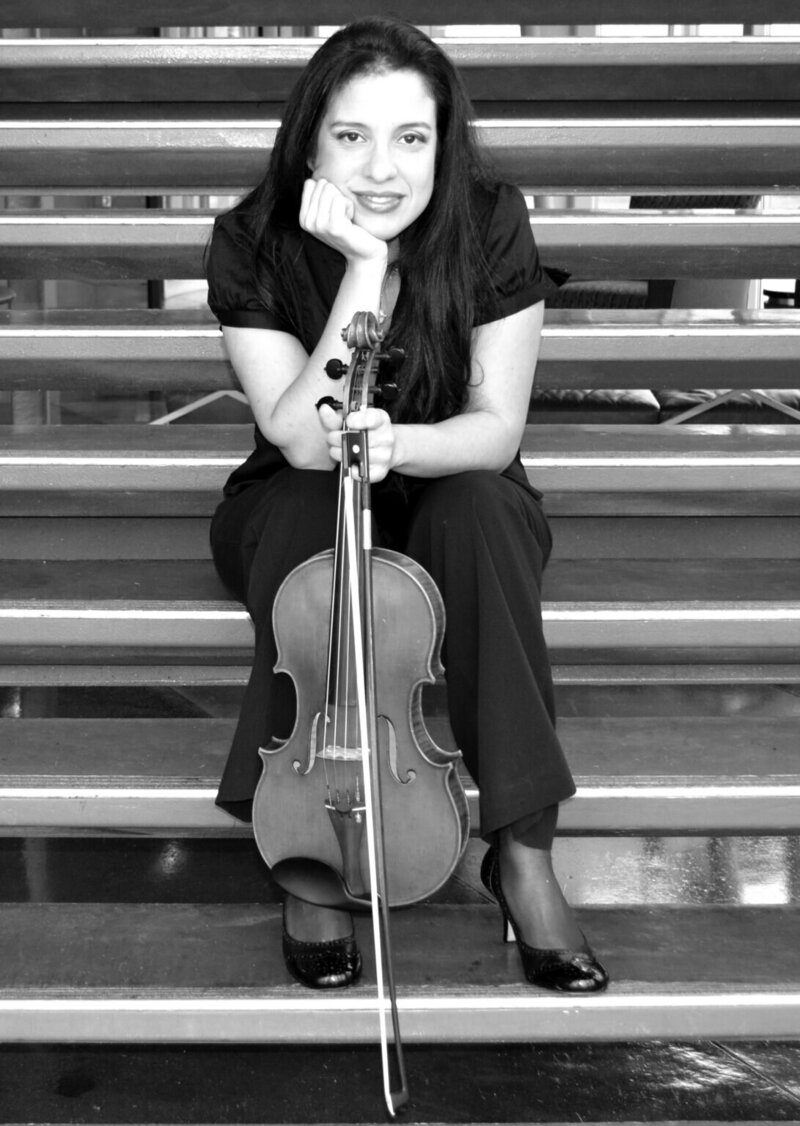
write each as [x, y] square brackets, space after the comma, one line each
[360, 125]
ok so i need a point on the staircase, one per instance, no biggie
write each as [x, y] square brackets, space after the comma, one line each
[672, 600]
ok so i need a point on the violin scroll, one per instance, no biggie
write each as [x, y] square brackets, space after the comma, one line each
[372, 384]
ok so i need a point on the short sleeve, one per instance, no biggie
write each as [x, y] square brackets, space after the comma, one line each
[232, 293]
[519, 278]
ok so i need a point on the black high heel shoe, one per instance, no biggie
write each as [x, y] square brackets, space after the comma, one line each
[569, 971]
[322, 965]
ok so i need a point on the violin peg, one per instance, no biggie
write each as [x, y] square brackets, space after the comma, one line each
[394, 357]
[387, 393]
[328, 401]
[335, 369]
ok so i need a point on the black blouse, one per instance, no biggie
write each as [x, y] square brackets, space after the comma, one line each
[520, 280]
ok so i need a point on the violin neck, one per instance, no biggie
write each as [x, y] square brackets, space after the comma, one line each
[352, 552]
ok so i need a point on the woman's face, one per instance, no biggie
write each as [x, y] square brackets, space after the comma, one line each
[377, 144]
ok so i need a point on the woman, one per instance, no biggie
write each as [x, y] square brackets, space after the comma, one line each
[376, 199]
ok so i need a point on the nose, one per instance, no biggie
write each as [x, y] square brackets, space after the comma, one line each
[380, 163]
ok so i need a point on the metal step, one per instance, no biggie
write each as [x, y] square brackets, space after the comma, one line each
[645, 537]
[172, 351]
[756, 68]
[746, 150]
[558, 458]
[181, 973]
[180, 13]
[231, 674]
[744, 609]
[635, 774]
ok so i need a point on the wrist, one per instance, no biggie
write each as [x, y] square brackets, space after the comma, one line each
[398, 457]
[369, 266]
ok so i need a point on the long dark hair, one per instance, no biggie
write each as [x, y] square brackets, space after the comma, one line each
[443, 274]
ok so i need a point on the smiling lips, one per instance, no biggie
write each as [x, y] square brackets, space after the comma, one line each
[379, 201]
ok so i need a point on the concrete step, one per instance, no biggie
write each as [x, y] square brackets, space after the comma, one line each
[635, 774]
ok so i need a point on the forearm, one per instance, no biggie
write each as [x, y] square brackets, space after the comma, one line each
[478, 439]
[487, 434]
[292, 423]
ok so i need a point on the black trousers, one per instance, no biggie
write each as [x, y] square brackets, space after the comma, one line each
[484, 539]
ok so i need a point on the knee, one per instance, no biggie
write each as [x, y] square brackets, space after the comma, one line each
[463, 489]
[264, 532]
[466, 498]
[457, 506]
[303, 494]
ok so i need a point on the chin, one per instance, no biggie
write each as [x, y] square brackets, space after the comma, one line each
[389, 226]
[384, 229]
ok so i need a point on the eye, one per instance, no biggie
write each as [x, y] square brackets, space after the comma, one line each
[348, 136]
[410, 139]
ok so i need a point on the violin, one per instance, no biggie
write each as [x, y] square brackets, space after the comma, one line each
[359, 808]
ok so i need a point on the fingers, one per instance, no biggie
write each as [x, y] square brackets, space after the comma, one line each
[329, 215]
[367, 418]
[379, 427]
[323, 208]
[331, 419]
[381, 436]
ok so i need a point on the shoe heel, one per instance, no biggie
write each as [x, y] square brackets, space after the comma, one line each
[491, 882]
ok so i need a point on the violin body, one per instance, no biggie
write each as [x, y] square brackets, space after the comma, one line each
[307, 814]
